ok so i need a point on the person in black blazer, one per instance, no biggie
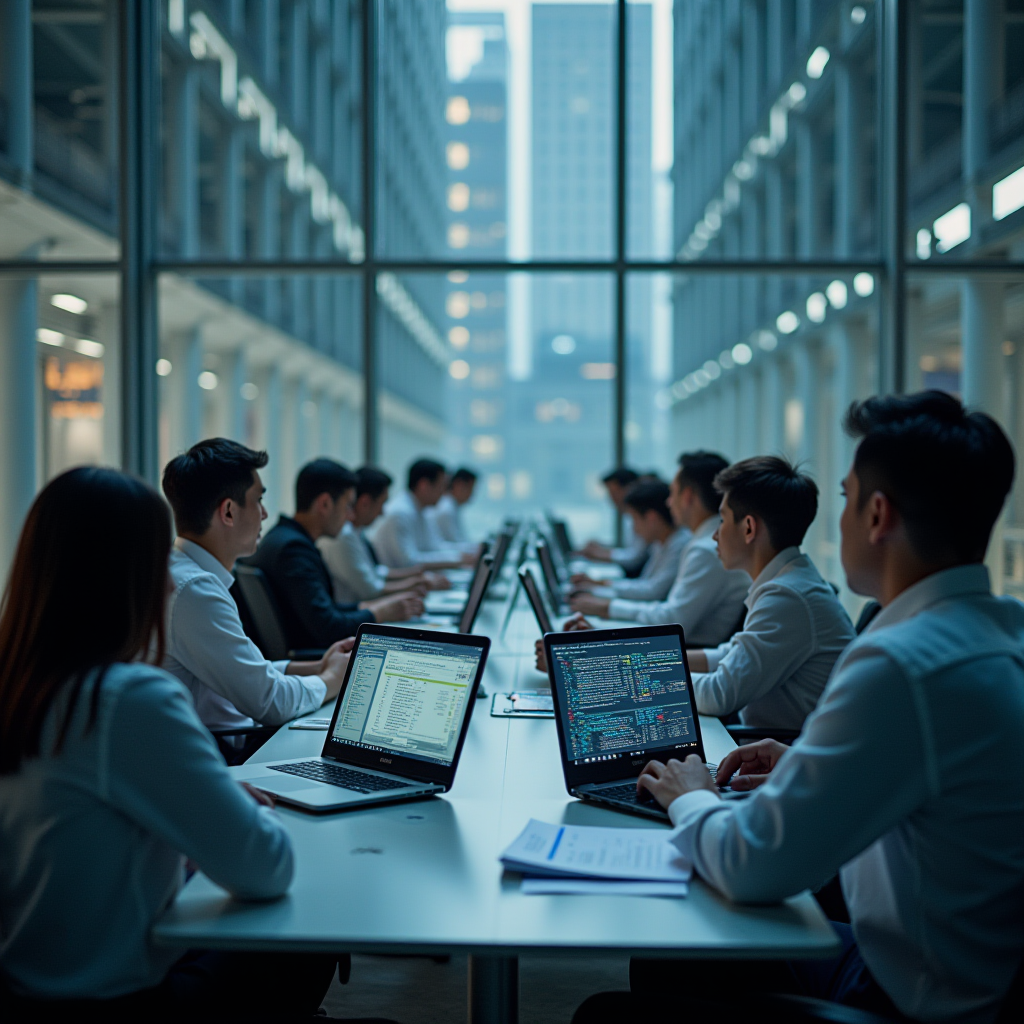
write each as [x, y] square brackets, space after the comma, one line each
[291, 562]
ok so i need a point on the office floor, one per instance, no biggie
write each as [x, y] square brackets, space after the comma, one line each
[412, 990]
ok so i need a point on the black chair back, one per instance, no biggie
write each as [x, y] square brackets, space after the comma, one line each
[263, 617]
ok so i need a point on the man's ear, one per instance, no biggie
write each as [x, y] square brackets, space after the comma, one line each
[750, 529]
[883, 519]
[226, 512]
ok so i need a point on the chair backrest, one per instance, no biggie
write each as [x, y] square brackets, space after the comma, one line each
[255, 592]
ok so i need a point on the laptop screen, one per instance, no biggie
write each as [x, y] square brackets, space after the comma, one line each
[624, 698]
[407, 696]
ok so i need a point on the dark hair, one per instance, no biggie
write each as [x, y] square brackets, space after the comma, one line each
[623, 476]
[209, 472]
[649, 496]
[946, 470]
[321, 476]
[463, 475]
[371, 481]
[424, 469]
[698, 470]
[86, 590]
[775, 491]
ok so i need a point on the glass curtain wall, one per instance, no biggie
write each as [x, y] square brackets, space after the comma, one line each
[534, 238]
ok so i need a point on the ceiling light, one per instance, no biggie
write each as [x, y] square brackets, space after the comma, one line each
[459, 369]
[952, 228]
[766, 341]
[48, 337]
[72, 303]
[563, 344]
[817, 61]
[725, 360]
[787, 322]
[712, 369]
[163, 367]
[1008, 194]
[837, 294]
[742, 353]
[817, 307]
[863, 284]
[208, 380]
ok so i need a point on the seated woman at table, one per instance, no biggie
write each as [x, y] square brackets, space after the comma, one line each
[109, 783]
[906, 778]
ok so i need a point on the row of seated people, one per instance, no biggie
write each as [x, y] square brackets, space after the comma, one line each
[906, 775]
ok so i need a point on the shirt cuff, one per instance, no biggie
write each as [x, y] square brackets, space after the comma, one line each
[317, 688]
[281, 666]
[628, 611]
[684, 808]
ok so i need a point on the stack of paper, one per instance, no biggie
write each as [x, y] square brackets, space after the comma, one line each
[586, 859]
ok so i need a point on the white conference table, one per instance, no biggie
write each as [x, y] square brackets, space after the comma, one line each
[424, 877]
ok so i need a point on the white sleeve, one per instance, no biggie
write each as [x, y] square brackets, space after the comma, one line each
[693, 592]
[653, 586]
[862, 750]
[352, 570]
[777, 637]
[210, 642]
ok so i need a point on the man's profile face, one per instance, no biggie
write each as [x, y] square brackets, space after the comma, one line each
[340, 512]
[249, 517]
[616, 493]
[729, 536]
[678, 500]
[462, 490]
[855, 550]
[367, 509]
[429, 492]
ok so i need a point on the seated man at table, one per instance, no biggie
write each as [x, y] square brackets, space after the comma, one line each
[646, 504]
[633, 554]
[448, 511]
[408, 535]
[215, 492]
[356, 573]
[907, 777]
[290, 559]
[706, 599]
[773, 670]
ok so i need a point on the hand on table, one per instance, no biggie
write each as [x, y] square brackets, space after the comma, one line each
[396, 607]
[589, 604]
[749, 766]
[582, 581]
[596, 552]
[575, 623]
[258, 795]
[437, 581]
[333, 666]
[667, 782]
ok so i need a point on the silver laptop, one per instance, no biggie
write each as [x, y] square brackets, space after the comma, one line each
[398, 725]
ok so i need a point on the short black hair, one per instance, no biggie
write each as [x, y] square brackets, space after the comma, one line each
[372, 481]
[698, 470]
[623, 476]
[945, 469]
[774, 490]
[424, 469]
[649, 496]
[196, 482]
[322, 476]
[463, 474]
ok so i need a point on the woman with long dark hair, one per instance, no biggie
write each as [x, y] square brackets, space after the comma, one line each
[108, 782]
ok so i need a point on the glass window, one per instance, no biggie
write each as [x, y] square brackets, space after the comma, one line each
[260, 131]
[966, 336]
[965, 120]
[752, 364]
[496, 130]
[519, 387]
[58, 130]
[753, 130]
[274, 363]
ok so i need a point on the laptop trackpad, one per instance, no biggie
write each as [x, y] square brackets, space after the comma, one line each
[279, 783]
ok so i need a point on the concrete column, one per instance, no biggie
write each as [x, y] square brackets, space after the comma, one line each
[982, 70]
[306, 433]
[772, 396]
[847, 156]
[272, 440]
[806, 189]
[749, 442]
[19, 410]
[108, 332]
[983, 326]
[268, 241]
[16, 39]
[235, 406]
[728, 423]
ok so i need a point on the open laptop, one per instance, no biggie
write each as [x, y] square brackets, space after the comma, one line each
[560, 533]
[533, 595]
[623, 697]
[464, 614]
[398, 725]
[551, 578]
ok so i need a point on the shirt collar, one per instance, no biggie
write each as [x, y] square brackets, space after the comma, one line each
[961, 581]
[774, 567]
[204, 560]
[707, 528]
[288, 521]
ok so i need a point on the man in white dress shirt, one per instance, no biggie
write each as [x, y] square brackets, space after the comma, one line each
[706, 599]
[408, 535]
[216, 494]
[774, 669]
[355, 572]
[633, 554]
[907, 777]
[646, 504]
[448, 512]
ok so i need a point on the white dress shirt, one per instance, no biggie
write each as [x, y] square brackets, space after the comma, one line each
[632, 555]
[706, 599]
[355, 576]
[774, 669]
[409, 536]
[93, 840]
[658, 574]
[448, 517]
[908, 777]
[232, 684]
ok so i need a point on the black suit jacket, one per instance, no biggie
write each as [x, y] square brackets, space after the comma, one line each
[301, 583]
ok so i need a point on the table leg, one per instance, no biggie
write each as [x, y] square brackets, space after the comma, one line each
[493, 990]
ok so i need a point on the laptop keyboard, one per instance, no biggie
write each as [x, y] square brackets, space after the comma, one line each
[627, 791]
[343, 778]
